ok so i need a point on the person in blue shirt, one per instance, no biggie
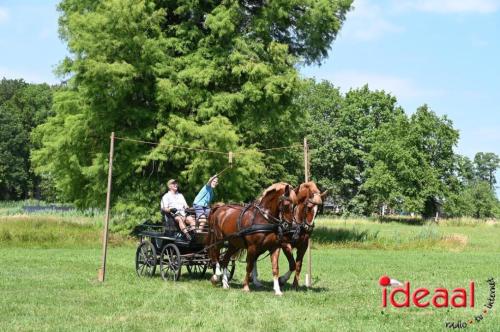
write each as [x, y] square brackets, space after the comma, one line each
[202, 201]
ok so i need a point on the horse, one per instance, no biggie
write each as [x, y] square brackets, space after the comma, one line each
[309, 198]
[255, 227]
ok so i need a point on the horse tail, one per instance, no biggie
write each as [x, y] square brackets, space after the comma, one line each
[212, 237]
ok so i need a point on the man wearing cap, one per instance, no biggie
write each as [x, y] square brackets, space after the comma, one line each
[202, 201]
[174, 202]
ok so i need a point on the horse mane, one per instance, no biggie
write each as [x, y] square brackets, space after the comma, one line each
[273, 187]
[307, 187]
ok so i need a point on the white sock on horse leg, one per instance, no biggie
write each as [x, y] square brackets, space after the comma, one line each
[276, 287]
[218, 272]
[225, 279]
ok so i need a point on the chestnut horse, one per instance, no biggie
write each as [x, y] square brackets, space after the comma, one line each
[255, 227]
[309, 198]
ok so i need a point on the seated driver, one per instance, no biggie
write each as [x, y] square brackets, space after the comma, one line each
[173, 202]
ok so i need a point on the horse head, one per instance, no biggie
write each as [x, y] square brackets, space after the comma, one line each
[309, 198]
[279, 199]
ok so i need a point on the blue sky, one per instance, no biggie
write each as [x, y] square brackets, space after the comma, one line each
[444, 53]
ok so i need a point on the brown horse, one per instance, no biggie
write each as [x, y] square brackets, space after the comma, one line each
[254, 227]
[309, 198]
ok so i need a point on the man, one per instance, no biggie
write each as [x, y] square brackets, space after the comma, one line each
[202, 201]
[173, 202]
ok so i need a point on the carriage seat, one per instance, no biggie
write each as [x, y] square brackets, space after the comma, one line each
[169, 220]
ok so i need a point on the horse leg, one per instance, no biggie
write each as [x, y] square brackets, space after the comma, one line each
[275, 255]
[301, 250]
[255, 276]
[225, 261]
[251, 257]
[287, 249]
[214, 254]
[215, 258]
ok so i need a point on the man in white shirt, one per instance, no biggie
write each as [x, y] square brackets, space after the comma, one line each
[173, 202]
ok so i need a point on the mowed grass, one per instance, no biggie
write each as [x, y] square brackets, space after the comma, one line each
[48, 282]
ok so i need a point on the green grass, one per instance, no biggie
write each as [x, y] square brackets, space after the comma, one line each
[48, 282]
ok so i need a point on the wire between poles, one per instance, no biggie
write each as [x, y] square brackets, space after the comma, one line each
[170, 145]
[207, 150]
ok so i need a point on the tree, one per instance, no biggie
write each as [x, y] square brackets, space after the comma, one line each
[13, 154]
[342, 131]
[486, 164]
[433, 139]
[23, 106]
[214, 74]
[372, 155]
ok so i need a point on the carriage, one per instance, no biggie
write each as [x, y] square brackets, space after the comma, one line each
[163, 245]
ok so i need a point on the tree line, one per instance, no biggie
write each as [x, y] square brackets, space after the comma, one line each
[375, 157]
[223, 76]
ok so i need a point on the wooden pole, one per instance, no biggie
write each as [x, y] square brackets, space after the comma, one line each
[306, 159]
[308, 281]
[102, 269]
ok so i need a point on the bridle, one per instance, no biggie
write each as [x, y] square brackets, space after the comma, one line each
[308, 227]
[281, 209]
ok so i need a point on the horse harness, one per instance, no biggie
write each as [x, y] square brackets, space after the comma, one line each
[275, 225]
[278, 225]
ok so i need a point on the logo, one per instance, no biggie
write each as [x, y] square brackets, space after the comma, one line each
[422, 297]
[404, 296]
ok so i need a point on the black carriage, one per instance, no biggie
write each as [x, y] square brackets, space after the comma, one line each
[163, 246]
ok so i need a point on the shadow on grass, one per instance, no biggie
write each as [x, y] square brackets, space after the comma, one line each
[267, 287]
[326, 235]
[403, 220]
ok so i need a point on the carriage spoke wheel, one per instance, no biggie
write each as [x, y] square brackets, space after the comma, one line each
[170, 262]
[145, 259]
[197, 270]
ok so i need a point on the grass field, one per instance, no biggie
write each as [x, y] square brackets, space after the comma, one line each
[49, 268]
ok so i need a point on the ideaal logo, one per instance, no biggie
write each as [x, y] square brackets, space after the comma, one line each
[461, 297]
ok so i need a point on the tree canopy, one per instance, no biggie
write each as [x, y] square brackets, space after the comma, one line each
[23, 106]
[213, 74]
[374, 156]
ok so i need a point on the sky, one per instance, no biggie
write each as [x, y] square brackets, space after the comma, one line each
[444, 53]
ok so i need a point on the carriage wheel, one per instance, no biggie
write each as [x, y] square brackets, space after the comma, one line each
[170, 262]
[196, 270]
[145, 259]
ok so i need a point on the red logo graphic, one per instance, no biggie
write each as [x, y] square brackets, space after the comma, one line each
[422, 297]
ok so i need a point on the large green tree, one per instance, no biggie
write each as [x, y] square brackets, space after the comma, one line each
[486, 165]
[343, 131]
[23, 106]
[372, 155]
[214, 74]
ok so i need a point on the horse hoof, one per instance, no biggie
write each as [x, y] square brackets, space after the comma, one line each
[278, 293]
[246, 289]
[214, 280]
[281, 281]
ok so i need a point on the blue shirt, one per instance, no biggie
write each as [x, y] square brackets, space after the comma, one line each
[205, 196]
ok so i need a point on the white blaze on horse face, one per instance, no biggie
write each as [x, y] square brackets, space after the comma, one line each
[315, 210]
